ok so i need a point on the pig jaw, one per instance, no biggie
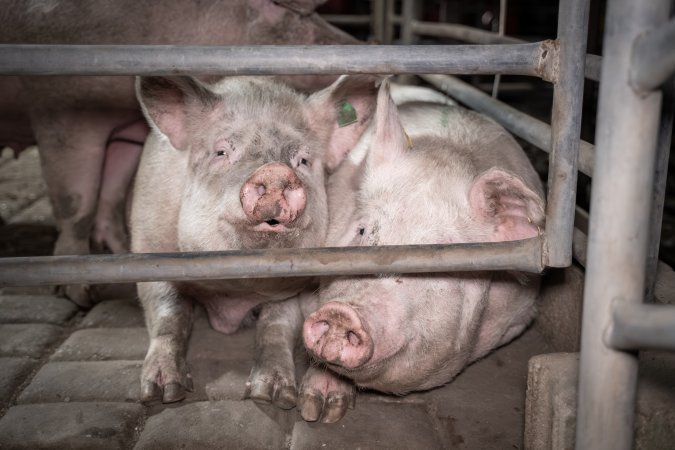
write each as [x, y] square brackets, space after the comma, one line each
[335, 334]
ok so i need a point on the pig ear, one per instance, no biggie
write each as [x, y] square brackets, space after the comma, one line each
[341, 113]
[504, 203]
[390, 138]
[168, 102]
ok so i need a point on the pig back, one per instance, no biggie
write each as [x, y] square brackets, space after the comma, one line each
[470, 135]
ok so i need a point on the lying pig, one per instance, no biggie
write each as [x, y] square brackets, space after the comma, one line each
[239, 165]
[90, 130]
[433, 175]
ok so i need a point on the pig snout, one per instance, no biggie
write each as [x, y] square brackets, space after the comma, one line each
[334, 333]
[273, 194]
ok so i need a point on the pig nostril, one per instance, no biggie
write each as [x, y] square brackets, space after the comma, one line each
[261, 189]
[353, 338]
[272, 222]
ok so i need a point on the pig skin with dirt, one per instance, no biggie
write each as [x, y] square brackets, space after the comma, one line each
[90, 130]
[430, 174]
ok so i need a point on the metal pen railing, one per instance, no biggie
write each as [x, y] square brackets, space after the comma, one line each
[638, 58]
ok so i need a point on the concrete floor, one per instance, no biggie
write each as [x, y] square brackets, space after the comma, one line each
[69, 378]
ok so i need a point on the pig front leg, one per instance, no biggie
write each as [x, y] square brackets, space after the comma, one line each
[165, 375]
[325, 396]
[272, 378]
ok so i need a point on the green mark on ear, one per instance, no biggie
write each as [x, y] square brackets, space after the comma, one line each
[346, 114]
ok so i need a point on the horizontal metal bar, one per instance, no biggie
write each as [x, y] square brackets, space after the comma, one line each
[24, 59]
[477, 36]
[347, 19]
[462, 33]
[524, 255]
[653, 58]
[641, 326]
[532, 130]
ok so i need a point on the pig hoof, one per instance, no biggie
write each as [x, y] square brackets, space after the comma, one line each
[324, 396]
[173, 392]
[311, 406]
[150, 392]
[272, 389]
[153, 393]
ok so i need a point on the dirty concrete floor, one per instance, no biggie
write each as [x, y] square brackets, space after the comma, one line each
[70, 378]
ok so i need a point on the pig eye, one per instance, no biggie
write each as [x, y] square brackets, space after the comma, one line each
[362, 231]
[220, 152]
[302, 162]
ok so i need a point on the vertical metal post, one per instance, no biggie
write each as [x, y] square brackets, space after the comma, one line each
[619, 228]
[407, 18]
[565, 132]
[659, 194]
[389, 12]
[409, 14]
[377, 20]
[501, 31]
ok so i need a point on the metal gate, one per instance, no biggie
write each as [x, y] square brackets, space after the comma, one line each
[627, 165]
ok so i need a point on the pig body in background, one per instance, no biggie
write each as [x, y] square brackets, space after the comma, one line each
[237, 166]
[456, 177]
[74, 120]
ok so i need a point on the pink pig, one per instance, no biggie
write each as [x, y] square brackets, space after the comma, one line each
[432, 174]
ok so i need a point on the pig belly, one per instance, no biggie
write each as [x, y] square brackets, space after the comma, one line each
[228, 302]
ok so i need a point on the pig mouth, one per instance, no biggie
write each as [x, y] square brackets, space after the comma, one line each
[271, 226]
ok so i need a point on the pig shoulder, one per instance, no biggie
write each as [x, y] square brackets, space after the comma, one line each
[156, 198]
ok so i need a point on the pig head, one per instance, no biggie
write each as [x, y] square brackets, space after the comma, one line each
[90, 130]
[432, 175]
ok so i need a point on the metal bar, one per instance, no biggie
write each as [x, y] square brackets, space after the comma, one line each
[407, 18]
[659, 194]
[568, 93]
[618, 235]
[593, 67]
[477, 36]
[388, 37]
[377, 15]
[409, 12]
[532, 130]
[522, 255]
[637, 326]
[462, 33]
[501, 31]
[653, 58]
[522, 59]
[347, 19]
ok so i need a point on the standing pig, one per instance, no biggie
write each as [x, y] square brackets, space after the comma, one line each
[433, 175]
[236, 166]
[74, 120]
